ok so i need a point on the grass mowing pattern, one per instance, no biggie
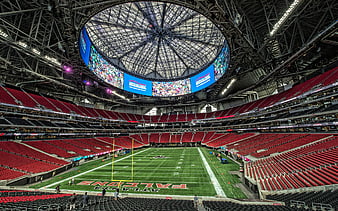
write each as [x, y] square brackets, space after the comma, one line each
[180, 166]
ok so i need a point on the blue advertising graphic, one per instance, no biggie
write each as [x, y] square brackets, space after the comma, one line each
[137, 85]
[84, 44]
[203, 79]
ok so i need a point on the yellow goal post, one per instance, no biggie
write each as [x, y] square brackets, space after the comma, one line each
[132, 164]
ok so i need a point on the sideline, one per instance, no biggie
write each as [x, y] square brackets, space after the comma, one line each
[212, 176]
[55, 183]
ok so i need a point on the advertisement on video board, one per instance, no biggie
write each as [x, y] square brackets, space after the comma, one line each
[137, 85]
[203, 79]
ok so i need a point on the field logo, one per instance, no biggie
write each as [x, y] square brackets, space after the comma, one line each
[132, 186]
[138, 86]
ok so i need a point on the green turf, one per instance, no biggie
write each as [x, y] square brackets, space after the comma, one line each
[227, 181]
[180, 166]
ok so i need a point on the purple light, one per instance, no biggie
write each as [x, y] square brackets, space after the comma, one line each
[109, 91]
[67, 69]
[87, 83]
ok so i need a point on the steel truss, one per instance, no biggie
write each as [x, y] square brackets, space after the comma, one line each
[52, 28]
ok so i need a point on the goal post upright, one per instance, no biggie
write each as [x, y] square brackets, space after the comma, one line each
[113, 161]
[132, 164]
[132, 159]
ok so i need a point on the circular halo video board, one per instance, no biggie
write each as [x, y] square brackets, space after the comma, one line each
[154, 48]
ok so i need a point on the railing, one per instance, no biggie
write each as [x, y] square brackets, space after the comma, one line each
[297, 204]
[50, 207]
[320, 206]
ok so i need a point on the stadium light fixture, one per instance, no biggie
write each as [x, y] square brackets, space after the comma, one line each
[22, 44]
[3, 34]
[120, 96]
[285, 16]
[53, 60]
[110, 91]
[228, 86]
[224, 91]
[36, 51]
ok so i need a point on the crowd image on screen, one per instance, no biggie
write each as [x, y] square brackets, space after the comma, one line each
[104, 70]
[221, 63]
[171, 88]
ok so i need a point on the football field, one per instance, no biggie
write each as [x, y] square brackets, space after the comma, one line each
[165, 171]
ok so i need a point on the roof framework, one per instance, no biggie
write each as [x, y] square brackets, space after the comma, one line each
[155, 40]
[305, 43]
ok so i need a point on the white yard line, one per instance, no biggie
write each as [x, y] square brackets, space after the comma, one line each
[55, 183]
[212, 176]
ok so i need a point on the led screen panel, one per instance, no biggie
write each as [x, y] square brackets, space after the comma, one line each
[84, 45]
[203, 79]
[137, 85]
[104, 70]
[171, 88]
[221, 63]
[112, 75]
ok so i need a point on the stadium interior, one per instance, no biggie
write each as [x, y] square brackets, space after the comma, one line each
[87, 86]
